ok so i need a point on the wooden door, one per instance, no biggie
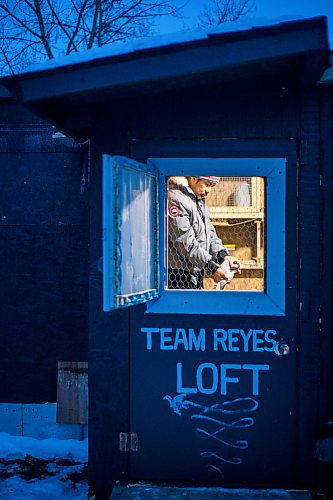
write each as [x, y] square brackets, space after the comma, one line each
[213, 397]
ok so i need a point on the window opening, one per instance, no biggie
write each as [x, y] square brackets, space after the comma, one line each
[212, 223]
[247, 212]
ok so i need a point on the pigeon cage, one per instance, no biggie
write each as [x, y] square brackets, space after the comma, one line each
[237, 209]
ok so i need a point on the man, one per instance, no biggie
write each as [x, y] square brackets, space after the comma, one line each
[193, 244]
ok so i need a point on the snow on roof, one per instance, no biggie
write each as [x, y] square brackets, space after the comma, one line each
[121, 48]
[327, 78]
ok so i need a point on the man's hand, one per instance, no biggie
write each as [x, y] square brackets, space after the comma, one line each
[234, 263]
[219, 275]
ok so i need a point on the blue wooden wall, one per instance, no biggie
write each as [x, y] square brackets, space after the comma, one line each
[44, 235]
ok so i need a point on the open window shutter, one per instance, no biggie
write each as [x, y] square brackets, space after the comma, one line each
[130, 232]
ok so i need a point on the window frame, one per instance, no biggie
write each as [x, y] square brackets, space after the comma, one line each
[112, 279]
[271, 301]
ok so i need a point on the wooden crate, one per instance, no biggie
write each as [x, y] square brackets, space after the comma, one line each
[72, 392]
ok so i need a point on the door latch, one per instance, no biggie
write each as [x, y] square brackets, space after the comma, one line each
[283, 349]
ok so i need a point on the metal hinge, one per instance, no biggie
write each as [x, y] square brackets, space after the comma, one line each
[134, 441]
[123, 441]
[128, 441]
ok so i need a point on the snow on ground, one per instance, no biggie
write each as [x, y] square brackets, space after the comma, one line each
[47, 469]
[17, 447]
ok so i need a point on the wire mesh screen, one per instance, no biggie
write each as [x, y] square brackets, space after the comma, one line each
[232, 192]
[228, 216]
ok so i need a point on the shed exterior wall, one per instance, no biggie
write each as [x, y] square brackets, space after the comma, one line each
[44, 256]
[272, 110]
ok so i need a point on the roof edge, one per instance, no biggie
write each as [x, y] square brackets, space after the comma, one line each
[97, 56]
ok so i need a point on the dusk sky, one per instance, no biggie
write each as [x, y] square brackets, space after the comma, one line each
[263, 9]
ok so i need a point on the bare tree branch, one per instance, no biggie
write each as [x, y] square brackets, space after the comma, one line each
[94, 25]
[63, 26]
[43, 37]
[80, 18]
[221, 11]
[18, 20]
[7, 61]
[33, 30]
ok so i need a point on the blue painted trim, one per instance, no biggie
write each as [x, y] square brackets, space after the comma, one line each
[112, 278]
[136, 298]
[162, 203]
[108, 233]
[272, 301]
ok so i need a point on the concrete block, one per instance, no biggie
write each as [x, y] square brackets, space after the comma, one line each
[37, 421]
[11, 419]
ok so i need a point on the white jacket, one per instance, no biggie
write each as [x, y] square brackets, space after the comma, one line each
[192, 239]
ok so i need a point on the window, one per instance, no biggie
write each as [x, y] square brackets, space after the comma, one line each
[236, 223]
[130, 266]
[247, 212]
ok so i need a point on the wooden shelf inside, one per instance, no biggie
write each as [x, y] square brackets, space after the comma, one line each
[252, 264]
[222, 219]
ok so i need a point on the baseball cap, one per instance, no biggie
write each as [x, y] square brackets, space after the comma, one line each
[213, 180]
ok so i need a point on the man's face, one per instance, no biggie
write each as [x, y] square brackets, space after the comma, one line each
[200, 187]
